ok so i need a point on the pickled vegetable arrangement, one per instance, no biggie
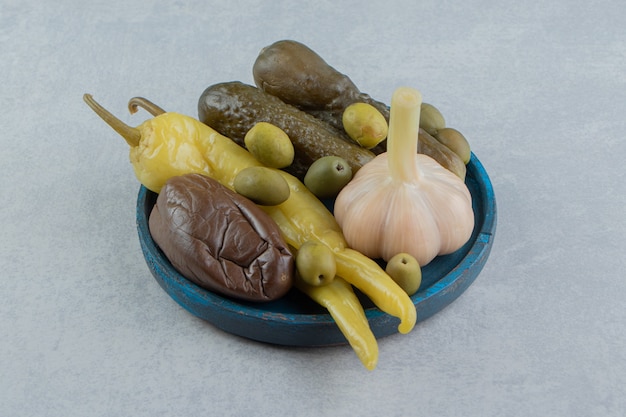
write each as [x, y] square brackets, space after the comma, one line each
[267, 150]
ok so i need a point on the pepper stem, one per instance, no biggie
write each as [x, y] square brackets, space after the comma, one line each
[136, 102]
[404, 118]
[132, 135]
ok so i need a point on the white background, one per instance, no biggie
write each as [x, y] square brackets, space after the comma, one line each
[539, 89]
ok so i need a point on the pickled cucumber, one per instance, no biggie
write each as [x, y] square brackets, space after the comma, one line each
[233, 108]
[262, 185]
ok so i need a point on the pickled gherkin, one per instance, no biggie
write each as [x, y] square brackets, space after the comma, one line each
[233, 108]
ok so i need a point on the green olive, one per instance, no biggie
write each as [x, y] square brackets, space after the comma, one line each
[405, 271]
[270, 145]
[365, 124]
[264, 186]
[316, 264]
[431, 119]
[456, 142]
[327, 176]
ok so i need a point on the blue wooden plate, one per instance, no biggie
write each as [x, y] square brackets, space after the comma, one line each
[295, 320]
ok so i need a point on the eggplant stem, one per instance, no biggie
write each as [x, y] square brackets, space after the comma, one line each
[136, 102]
[132, 135]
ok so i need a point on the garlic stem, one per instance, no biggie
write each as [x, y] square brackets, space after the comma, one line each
[404, 118]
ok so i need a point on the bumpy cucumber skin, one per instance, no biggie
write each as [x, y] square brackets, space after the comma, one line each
[233, 108]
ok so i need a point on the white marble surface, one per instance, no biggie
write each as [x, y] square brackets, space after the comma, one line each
[538, 87]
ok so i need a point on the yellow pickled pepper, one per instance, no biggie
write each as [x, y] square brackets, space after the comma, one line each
[345, 308]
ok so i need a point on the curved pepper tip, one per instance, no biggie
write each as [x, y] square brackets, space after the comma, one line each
[408, 321]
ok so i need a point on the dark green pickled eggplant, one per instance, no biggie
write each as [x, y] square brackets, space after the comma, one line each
[297, 75]
[233, 108]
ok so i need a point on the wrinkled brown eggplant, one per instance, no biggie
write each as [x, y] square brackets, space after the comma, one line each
[233, 108]
[220, 240]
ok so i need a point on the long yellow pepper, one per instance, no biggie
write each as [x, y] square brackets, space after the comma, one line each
[172, 144]
[297, 222]
[345, 308]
